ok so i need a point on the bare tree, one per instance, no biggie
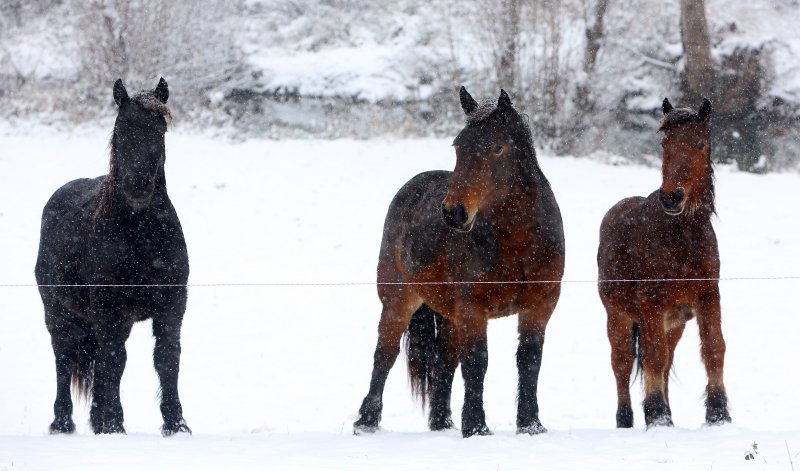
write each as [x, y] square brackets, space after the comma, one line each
[699, 68]
[594, 35]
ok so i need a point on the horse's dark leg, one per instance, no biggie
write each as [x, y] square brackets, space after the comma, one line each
[399, 305]
[673, 336]
[712, 348]
[106, 414]
[65, 347]
[166, 359]
[620, 336]
[531, 328]
[444, 368]
[473, 369]
[654, 365]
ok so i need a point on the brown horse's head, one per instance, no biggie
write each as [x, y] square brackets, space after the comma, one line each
[686, 169]
[494, 153]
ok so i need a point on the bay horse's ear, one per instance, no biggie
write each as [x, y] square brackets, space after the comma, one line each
[666, 106]
[120, 94]
[162, 91]
[705, 110]
[468, 104]
[504, 104]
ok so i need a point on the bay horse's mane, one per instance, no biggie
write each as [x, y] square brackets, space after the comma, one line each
[105, 196]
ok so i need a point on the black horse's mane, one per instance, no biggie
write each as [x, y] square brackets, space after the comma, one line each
[108, 187]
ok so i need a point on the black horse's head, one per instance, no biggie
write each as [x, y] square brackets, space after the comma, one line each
[137, 145]
[494, 156]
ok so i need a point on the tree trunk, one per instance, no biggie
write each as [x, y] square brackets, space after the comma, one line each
[699, 70]
[594, 35]
[508, 59]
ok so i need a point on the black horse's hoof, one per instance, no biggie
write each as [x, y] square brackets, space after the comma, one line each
[109, 429]
[481, 430]
[364, 429]
[535, 428]
[440, 424]
[178, 426]
[62, 425]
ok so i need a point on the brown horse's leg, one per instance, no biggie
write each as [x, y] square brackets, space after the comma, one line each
[654, 364]
[399, 305]
[623, 353]
[713, 351]
[444, 368]
[673, 336]
[475, 359]
[532, 326]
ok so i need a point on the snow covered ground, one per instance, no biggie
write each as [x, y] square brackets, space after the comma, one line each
[272, 376]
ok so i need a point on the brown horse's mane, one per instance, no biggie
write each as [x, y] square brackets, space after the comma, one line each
[108, 187]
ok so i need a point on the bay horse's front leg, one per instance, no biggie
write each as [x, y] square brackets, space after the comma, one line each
[166, 359]
[106, 413]
[653, 341]
[712, 349]
[622, 337]
[399, 304]
[475, 360]
[444, 369]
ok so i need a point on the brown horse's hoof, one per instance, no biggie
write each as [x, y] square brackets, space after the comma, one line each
[533, 429]
[718, 418]
[361, 429]
[663, 421]
[481, 430]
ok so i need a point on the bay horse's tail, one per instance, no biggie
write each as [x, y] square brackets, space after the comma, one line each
[421, 340]
[83, 374]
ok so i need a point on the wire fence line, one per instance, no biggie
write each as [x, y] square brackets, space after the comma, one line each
[400, 283]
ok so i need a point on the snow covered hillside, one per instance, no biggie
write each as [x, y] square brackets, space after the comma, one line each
[272, 376]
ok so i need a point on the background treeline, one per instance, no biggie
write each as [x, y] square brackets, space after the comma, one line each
[590, 74]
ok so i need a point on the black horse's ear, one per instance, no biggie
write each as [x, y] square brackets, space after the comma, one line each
[666, 106]
[162, 91]
[705, 110]
[120, 94]
[504, 104]
[468, 104]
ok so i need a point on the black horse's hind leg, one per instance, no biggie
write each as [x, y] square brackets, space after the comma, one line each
[166, 358]
[444, 368]
[529, 362]
[473, 369]
[106, 414]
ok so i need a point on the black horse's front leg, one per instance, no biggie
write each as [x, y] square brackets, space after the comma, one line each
[65, 349]
[473, 370]
[529, 362]
[106, 413]
[166, 358]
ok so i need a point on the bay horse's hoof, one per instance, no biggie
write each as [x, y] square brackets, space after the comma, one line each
[481, 430]
[62, 425]
[718, 417]
[663, 421]
[533, 429]
[178, 426]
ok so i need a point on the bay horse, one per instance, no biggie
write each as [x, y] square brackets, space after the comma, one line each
[460, 248]
[648, 247]
[112, 253]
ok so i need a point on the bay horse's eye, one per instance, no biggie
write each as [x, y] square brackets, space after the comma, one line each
[497, 150]
[701, 145]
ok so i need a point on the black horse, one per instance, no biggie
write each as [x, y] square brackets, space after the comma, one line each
[112, 253]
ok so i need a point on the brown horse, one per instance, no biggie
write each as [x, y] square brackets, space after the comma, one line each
[659, 265]
[460, 248]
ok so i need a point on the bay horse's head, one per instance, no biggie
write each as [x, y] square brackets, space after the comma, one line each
[687, 171]
[494, 155]
[137, 144]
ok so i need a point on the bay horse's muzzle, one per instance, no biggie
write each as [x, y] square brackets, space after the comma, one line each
[457, 217]
[673, 203]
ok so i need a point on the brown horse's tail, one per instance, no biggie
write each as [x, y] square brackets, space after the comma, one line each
[83, 374]
[421, 339]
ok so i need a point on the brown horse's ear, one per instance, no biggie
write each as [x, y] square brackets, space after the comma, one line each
[666, 106]
[504, 104]
[162, 91]
[120, 94]
[705, 110]
[468, 104]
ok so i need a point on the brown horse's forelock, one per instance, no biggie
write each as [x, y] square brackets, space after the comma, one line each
[679, 116]
[482, 112]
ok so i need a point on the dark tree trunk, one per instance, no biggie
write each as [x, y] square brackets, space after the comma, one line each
[594, 35]
[699, 69]
[508, 59]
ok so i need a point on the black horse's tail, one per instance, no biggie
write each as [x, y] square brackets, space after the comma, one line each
[83, 374]
[636, 350]
[421, 339]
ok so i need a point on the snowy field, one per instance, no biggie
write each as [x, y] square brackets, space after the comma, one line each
[272, 376]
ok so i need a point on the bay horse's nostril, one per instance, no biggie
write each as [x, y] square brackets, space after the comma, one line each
[455, 217]
[673, 201]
